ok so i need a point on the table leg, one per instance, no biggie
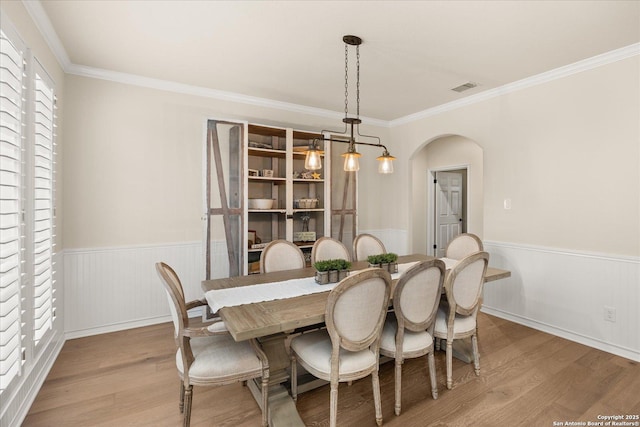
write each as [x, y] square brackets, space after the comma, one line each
[282, 408]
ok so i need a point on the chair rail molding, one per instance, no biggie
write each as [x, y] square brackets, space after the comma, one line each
[565, 292]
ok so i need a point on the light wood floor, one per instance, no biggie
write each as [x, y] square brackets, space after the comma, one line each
[528, 378]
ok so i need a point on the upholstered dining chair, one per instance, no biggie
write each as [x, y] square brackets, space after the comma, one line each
[408, 330]
[207, 355]
[281, 255]
[457, 318]
[349, 348]
[329, 248]
[462, 245]
[365, 245]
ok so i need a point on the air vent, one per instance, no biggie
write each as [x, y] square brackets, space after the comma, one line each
[466, 86]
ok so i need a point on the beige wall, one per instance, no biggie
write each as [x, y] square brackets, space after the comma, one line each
[134, 170]
[566, 152]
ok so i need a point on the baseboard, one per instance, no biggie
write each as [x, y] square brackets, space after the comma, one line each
[627, 353]
[122, 326]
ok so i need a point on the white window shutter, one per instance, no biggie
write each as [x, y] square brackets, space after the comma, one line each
[11, 206]
[43, 207]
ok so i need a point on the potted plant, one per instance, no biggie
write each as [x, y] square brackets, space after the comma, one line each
[322, 272]
[331, 271]
[343, 266]
[387, 261]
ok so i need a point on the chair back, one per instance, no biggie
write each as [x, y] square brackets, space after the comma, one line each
[281, 255]
[356, 309]
[175, 296]
[416, 296]
[328, 248]
[365, 245]
[464, 284]
[462, 245]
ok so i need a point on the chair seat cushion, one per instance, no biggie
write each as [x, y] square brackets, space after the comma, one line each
[219, 358]
[461, 324]
[314, 350]
[412, 342]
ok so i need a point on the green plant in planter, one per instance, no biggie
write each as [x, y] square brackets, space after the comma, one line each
[341, 264]
[322, 265]
[332, 264]
[389, 258]
[375, 259]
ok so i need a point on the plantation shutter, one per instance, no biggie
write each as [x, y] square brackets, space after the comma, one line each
[11, 189]
[43, 215]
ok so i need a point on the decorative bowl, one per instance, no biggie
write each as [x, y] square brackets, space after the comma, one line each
[261, 203]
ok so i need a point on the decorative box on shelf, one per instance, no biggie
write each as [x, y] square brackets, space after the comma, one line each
[304, 236]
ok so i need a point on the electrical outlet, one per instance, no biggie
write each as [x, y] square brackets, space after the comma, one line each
[609, 314]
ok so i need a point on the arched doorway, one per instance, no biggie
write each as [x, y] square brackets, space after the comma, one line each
[444, 153]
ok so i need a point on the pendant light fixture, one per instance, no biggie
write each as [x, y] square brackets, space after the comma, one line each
[351, 156]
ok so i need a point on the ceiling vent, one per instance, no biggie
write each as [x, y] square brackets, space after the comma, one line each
[466, 86]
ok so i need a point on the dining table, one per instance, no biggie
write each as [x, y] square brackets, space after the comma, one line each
[272, 319]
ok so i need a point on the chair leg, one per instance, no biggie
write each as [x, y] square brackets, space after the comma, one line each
[476, 355]
[449, 363]
[333, 407]
[376, 396]
[432, 374]
[265, 397]
[294, 377]
[398, 377]
[437, 344]
[188, 396]
[181, 397]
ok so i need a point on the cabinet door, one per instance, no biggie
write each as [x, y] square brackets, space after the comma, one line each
[224, 199]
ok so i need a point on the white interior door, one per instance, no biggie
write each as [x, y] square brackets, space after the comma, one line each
[448, 209]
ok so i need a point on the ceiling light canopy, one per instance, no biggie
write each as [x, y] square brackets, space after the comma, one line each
[351, 156]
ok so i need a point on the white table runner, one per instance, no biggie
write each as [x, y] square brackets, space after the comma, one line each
[276, 290]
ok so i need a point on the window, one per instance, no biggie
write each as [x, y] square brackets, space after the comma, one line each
[27, 226]
[11, 184]
[43, 152]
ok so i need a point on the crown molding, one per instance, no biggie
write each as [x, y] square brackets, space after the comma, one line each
[34, 7]
[185, 89]
[547, 76]
[41, 19]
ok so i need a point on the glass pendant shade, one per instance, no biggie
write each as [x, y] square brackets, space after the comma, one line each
[386, 163]
[351, 163]
[313, 160]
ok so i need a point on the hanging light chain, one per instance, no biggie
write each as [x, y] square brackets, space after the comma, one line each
[358, 81]
[346, 80]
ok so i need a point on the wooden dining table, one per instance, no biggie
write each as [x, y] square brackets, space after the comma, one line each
[272, 322]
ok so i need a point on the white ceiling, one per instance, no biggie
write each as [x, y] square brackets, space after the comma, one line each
[413, 53]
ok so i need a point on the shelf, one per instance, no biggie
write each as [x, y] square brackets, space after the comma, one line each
[307, 181]
[297, 210]
[276, 179]
[279, 211]
[266, 152]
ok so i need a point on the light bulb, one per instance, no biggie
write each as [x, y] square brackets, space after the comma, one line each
[386, 163]
[351, 163]
[313, 160]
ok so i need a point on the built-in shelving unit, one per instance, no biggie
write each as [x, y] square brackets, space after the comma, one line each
[275, 170]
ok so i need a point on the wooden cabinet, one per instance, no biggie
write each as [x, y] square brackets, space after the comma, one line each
[301, 207]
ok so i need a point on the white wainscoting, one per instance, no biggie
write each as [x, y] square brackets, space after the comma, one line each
[565, 293]
[557, 291]
[110, 289]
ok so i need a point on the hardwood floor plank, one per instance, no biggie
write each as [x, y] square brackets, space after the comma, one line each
[528, 378]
